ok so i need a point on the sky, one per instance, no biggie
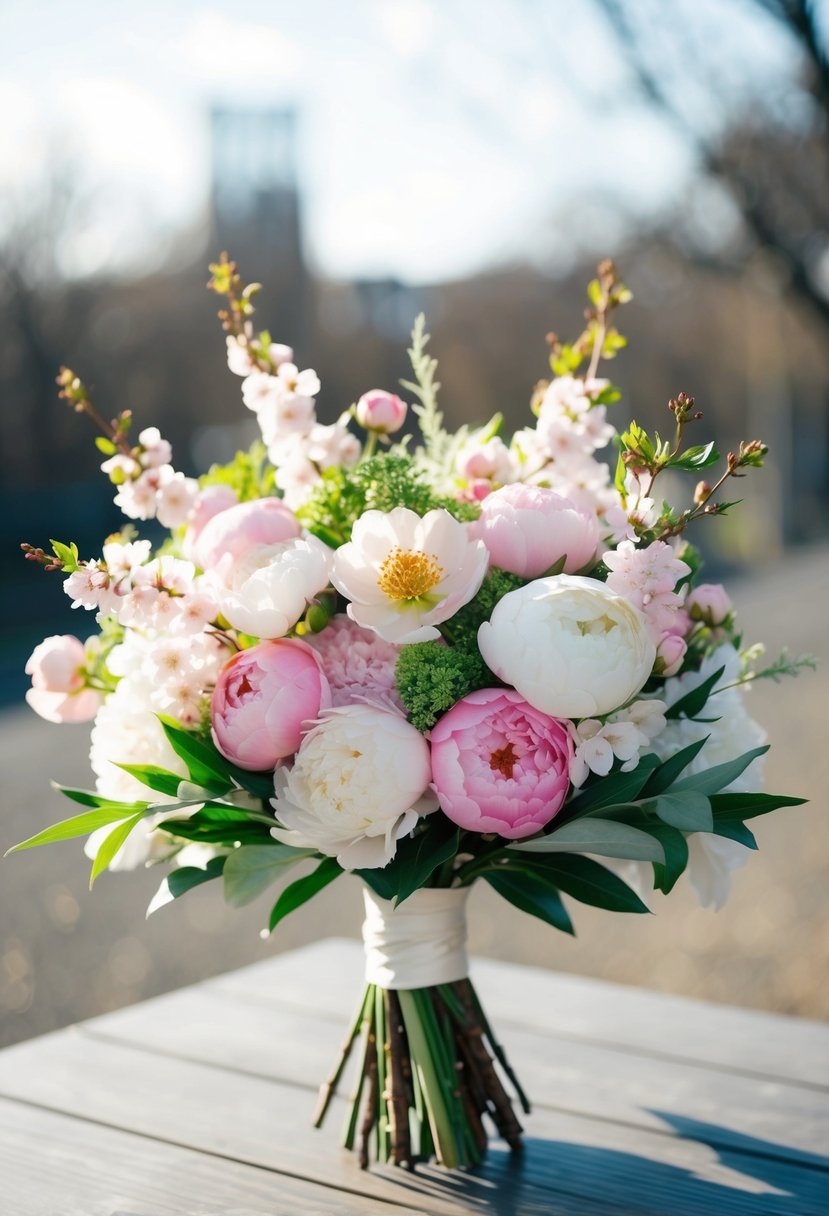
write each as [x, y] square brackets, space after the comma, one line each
[434, 138]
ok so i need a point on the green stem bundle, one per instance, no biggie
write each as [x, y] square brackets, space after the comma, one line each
[427, 1079]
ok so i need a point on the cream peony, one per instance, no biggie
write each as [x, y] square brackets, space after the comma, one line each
[337, 796]
[569, 645]
[269, 589]
[404, 575]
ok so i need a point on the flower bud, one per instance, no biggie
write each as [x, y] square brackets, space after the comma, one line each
[381, 412]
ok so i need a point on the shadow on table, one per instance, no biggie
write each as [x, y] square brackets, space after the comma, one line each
[738, 1174]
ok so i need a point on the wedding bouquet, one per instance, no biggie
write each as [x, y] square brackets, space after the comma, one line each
[427, 662]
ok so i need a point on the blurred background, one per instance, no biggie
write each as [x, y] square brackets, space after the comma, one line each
[367, 162]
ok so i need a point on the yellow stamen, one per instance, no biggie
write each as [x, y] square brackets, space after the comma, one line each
[407, 574]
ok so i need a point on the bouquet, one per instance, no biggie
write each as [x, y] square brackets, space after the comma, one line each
[426, 661]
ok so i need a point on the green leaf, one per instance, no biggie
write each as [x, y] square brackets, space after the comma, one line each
[250, 870]
[533, 895]
[159, 779]
[78, 825]
[219, 825]
[688, 810]
[675, 847]
[605, 837]
[179, 882]
[587, 881]
[730, 811]
[205, 764]
[613, 789]
[258, 784]
[735, 829]
[714, 779]
[416, 859]
[698, 457]
[303, 889]
[663, 777]
[111, 844]
[694, 701]
[90, 798]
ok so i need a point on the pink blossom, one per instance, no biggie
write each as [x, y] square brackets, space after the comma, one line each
[710, 602]
[264, 521]
[264, 699]
[528, 529]
[380, 411]
[499, 765]
[58, 691]
[358, 664]
[332, 445]
[647, 578]
[156, 451]
[490, 460]
[175, 499]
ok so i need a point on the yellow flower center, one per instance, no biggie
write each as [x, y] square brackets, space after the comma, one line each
[407, 574]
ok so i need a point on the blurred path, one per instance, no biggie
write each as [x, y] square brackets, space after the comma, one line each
[66, 954]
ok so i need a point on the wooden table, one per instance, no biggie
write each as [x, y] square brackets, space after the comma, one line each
[199, 1102]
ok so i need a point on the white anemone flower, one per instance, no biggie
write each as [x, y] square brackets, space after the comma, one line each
[269, 589]
[337, 796]
[405, 574]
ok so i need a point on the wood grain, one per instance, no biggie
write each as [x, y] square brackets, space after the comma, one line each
[225, 1026]
[619, 1017]
[606, 1168]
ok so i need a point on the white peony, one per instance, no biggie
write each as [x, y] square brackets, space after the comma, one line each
[569, 645]
[357, 785]
[268, 590]
[404, 575]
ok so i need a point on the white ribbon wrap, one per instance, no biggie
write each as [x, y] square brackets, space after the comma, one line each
[419, 944]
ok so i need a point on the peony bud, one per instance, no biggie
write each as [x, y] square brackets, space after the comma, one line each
[710, 603]
[381, 412]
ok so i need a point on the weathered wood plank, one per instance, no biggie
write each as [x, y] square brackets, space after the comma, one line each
[232, 1117]
[51, 1163]
[227, 1027]
[327, 976]
[571, 1165]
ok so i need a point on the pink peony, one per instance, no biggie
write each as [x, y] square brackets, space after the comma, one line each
[58, 693]
[380, 411]
[358, 665]
[264, 699]
[264, 521]
[498, 765]
[528, 529]
[709, 602]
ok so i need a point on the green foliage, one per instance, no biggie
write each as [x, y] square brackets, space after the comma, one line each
[110, 845]
[249, 473]
[82, 825]
[533, 895]
[417, 858]
[381, 483]
[251, 870]
[463, 628]
[603, 837]
[67, 555]
[425, 387]
[303, 889]
[431, 677]
[206, 765]
[220, 825]
[185, 878]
